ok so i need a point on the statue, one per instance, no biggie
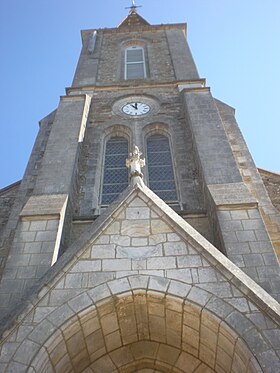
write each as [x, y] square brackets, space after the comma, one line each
[135, 163]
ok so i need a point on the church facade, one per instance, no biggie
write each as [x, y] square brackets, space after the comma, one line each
[141, 238]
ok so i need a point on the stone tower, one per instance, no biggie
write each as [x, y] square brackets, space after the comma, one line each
[102, 272]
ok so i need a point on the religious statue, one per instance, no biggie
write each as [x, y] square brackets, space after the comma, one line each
[135, 163]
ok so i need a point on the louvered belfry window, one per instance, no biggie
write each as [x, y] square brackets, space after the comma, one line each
[115, 177]
[160, 168]
[135, 63]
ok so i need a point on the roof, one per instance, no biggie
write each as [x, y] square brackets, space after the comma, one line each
[133, 19]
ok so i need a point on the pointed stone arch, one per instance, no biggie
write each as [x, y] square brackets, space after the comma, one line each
[144, 329]
[112, 324]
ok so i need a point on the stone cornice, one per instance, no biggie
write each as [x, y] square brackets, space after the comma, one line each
[191, 84]
[172, 26]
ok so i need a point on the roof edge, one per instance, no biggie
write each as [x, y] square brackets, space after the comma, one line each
[268, 171]
[11, 186]
[166, 26]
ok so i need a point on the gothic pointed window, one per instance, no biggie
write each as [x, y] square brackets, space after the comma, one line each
[135, 63]
[160, 168]
[115, 175]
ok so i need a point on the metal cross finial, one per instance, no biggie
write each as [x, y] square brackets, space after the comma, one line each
[133, 7]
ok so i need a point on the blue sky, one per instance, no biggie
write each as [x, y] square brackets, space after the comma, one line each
[235, 43]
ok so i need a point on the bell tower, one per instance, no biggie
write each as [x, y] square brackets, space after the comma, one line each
[137, 84]
[137, 72]
[88, 196]
[145, 90]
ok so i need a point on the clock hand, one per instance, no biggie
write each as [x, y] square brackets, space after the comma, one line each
[134, 106]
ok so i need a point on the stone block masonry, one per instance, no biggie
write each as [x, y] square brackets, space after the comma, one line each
[24, 189]
[251, 176]
[215, 157]
[30, 257]
[103, 123]
[139, 289]
[38, 235]
[57, 171]
[141, 328]
[248, 245]
[183, 63]
[243, 234]
[178, 305]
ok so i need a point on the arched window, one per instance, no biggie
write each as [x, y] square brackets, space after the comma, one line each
[134, 63]
[160, 168]
[115, 176]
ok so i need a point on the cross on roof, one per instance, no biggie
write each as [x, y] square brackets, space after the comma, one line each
[133, 7]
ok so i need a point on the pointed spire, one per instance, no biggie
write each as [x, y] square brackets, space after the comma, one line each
[133, 19]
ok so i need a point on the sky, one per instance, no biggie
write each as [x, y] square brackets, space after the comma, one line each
[235, 44]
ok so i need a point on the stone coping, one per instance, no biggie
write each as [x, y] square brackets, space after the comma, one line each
[268, 172]
[48, 205]
[129, 86]
[233, 195]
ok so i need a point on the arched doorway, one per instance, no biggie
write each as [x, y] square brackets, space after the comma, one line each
[145, 332]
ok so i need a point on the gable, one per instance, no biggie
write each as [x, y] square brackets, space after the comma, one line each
[141, 235]
[145, 236]
[140, 246]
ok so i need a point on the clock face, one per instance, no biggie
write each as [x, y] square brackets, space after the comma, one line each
[136, 108]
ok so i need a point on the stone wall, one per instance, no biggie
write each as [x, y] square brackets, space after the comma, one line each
[139, 281]
[271, 182]
[248, 245]
[31, 256]
[250, 175]
[7, 198]
[25, 189]
[33, 235]
[103, 123]
[166, 55]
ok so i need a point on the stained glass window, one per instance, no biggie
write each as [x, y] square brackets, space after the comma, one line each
[134, 63]
[160, 168]
[115, 178]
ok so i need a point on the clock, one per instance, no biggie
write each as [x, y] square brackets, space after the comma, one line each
[136, 108]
